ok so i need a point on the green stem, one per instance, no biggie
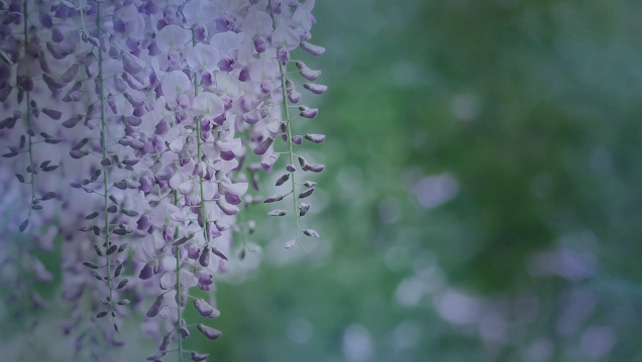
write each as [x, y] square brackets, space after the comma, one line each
[28, 116]
[288, 124]
[179, 301]
[206, 225]
[179, 298]
[103, 140]
[291, 154]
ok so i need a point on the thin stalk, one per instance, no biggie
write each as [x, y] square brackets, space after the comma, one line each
[206, 225]
[28, 116]
[178, 289]
[288, 124]
[291, 154]
[103, 140]
[179, 302]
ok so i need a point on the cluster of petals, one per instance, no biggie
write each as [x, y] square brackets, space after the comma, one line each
[143, 123]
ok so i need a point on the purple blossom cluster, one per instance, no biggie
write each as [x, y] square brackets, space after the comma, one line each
[132, 130]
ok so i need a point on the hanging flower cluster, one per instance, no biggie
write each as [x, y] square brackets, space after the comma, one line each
[133, 129]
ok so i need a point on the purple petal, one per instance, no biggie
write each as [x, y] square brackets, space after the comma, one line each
[143, 223]
[145, 184]
[208, 332]
[199, 357]
[184, 332]
[227, 208]
[315, 88]
[232, 198]
[315, 137]
[205, 281]
[294, 96]
[312, 49]
[308, 112]
[253, 116]
[260, 44]
[306, 72]
[315, 167]
[204, 259]
[263, 146]
[70, 73]
[156, 307]
[311, 232]
[146, 272]
[303, 208]
[283, 55]
[282, 179]
[205, 309]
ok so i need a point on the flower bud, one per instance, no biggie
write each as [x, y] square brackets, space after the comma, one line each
[294, 96]
[306, 72]
[312, 49]
[303, 208]
[156, 307]
[315, 88]
[199, 357]
[282, 179]
[315, 137]
[263, 146]
[205, 309]
[208, 332]
[308, 112]
[311, 232]
[204, 259]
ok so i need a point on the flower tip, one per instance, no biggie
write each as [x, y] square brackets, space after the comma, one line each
[315, 88]
[312, 48]
[209, 332]
[311, 233]
[308, 112]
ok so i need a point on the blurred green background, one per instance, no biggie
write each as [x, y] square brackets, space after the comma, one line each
[482, 197]
[482, 193]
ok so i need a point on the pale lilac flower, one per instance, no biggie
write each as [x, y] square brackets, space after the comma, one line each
[172, 100]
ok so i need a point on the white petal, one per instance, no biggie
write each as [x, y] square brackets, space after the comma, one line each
[188, 279]
[237, 188]
[203, 57]
[176, 180]
[169, 263]
[209, 104]
[167, 281]
[179, 216]
[302, 18]
[229, 165]
[161, 214]
[257, 22]
[210, 151]
[229, 145]
[200, 12]
[172, 37]
[210, 190]
[186, 187]
[286, 37]
[263, 68]
[177, 144]
[225, 42]
[227, 84]
[176, 83]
